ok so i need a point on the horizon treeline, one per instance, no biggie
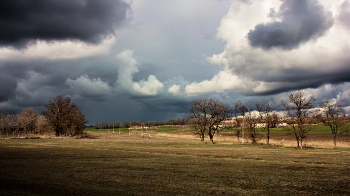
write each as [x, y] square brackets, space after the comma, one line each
[132, 123]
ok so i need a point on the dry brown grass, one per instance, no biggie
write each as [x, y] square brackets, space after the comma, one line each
[309, 143]
[113, 164]
[316, 141]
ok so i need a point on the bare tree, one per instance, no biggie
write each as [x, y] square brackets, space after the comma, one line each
[238, 128]
[198, 127]
[42, 124]
[244, 111]
[206, 115]
[333, 117]
[2, 128]
[76, 124]
[64, 116]
[14, 124]
[275, 120]
[297, 108]
[251, 119]
[127, 124]
[5, 125]
[116, 124]
[28, 118]
[271, 119]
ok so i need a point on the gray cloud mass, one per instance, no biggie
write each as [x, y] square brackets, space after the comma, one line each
[23, 22]
[300, 21]
[125, 60]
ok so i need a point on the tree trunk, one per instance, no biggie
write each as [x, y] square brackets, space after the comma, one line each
[335, 140]
[268, 136]
[297, 138]
[252, 135]
[58, 132]
[211, 136]
[298, 145]
[202, 137]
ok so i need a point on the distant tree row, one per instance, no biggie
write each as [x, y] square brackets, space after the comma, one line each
[208, 116]
[132, 123]
[28, 121]
[61, 116]
[104, 125]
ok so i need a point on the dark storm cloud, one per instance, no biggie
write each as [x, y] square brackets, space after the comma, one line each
[23, 22]
[7, 87]
[301, 79]
[302, 74]
[32, 83]
[9, 76]
[301, 21]
[166, 104]
[164, 108]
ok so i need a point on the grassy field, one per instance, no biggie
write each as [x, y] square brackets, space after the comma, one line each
[122, 164]
[317, 129]
[318, 137]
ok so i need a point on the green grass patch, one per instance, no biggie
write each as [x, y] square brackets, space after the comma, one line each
[173, 129]
[317, 129]
[131, 165]
[115, 130]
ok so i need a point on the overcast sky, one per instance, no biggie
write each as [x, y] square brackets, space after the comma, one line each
[127, 60]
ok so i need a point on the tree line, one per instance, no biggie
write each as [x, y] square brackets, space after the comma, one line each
[61, 116]
[208, 116]
[133, 123]
[205, 117]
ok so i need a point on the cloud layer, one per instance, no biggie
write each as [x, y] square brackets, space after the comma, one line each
[24, 22]
[295, 23]
[127, 68]
[122, 60]
[310, 50]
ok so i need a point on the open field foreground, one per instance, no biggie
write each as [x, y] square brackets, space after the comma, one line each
[113, 164]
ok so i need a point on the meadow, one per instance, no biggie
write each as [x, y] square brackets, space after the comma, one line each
[317, 129]
[318, 137]
[107, 163]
